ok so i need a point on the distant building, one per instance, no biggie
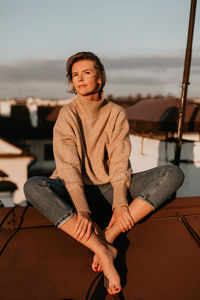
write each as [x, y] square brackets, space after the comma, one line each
[153, 132]
[14, 163]
[26, 131]
[29, 124]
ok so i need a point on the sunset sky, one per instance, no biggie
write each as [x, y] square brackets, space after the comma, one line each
[141, 43]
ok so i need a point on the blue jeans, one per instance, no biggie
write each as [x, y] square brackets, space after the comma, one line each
[52, 199]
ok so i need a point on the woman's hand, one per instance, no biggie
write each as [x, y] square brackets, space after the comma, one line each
[122, 217]
[83, 228]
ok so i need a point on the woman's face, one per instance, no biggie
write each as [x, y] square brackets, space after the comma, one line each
[85, 77]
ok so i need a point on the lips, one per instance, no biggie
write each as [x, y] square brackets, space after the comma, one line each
[81, 85]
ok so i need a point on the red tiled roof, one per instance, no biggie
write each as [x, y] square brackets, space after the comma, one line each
[162, 115]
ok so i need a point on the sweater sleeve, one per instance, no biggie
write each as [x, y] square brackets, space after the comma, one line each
[68, 161]
[119, 151]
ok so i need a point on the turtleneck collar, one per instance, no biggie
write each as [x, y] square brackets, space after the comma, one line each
[89, 107]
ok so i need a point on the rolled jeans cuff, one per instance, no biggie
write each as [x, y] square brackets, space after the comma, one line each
[147, 201]
[65, 218]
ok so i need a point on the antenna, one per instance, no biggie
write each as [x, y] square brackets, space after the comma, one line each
[185, 83]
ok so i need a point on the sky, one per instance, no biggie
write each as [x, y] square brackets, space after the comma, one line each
[141, 44]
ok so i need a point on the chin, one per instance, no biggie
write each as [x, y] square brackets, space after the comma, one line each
[86, 93]
[83, 94]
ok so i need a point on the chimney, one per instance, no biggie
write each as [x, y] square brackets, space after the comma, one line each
[33, 111]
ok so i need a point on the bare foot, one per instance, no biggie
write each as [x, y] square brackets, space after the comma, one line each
[96, 264]
[112, 279]
[106, 285]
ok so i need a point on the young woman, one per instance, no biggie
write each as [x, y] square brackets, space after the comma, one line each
[91, 148]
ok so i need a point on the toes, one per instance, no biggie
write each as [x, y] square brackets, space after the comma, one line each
[94, 268]
[113, 291]
[100, 269]
[111, 288]
[95, 264]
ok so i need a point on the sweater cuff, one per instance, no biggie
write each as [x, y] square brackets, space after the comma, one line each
[119, 194]
[78, 198]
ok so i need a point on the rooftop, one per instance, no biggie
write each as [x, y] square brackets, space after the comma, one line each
[161, 115]
[159, 259]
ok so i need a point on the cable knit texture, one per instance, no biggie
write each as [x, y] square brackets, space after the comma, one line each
[92, 147]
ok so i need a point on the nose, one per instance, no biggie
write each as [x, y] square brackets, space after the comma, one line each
[80, 77]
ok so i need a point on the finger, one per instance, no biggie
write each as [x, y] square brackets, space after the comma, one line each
[127, 221]
[95, 229]
[82, 232]
[88, 232]
[79, 225]
[78, 222]
[127, 226]
[121, 225]
[80, 228]
[131, 222]
[124, 224]
[131, 219]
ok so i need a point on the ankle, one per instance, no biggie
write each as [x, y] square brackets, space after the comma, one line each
[102, 250]
[109, 236]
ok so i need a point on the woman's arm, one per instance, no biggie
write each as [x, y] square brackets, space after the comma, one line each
[120, 171]
[68, 166]
[68, 160]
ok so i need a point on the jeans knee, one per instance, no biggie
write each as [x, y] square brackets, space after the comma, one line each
[180, 175]
[176, 173]
[31, 184]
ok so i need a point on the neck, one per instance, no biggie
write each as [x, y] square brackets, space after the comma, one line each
[91, 97]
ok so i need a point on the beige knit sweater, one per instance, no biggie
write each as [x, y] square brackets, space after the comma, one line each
[92, 146]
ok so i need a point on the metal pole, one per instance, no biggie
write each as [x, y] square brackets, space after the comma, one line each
[185, 82]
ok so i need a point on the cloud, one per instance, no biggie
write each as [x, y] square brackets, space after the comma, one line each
[125, 75]
[195, 70]
[43, 89]
[147, 62]
[135, 80]
[54, 70]
[35, 70]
